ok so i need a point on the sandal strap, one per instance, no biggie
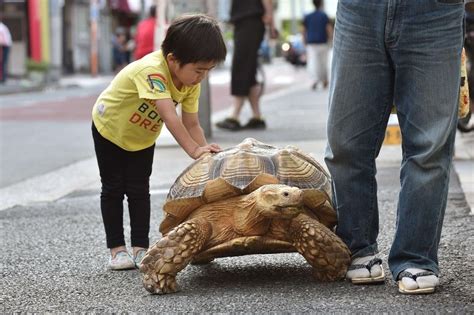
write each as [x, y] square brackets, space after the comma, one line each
[369, 265]
[416, 275]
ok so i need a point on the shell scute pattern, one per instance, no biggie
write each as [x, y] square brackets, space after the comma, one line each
[240, 170]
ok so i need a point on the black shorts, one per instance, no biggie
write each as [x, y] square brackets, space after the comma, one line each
[248, 35]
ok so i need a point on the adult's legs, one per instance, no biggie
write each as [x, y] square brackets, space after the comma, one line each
[248, 35]
[254, 100]
[322, 64]
[238, 103]
[426, 55]
[360, 101]
[311, 63]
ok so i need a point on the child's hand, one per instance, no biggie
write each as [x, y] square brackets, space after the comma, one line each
[210, 148]
[215, 147]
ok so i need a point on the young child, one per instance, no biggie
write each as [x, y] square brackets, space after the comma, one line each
[128, 117]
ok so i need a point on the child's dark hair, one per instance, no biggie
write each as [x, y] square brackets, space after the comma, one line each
[194, 38]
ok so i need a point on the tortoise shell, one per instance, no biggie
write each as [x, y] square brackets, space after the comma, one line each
[242, 169]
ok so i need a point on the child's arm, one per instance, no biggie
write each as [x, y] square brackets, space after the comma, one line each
[191, 123]
[167, 111]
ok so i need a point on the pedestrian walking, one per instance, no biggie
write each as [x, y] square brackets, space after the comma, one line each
[145, 35]
[5, 44]
[119, 49]
[249, 18]
[405, 53]
[128, 117]
[317, 31]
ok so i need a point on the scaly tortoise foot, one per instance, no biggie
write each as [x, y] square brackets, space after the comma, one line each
[171, 254]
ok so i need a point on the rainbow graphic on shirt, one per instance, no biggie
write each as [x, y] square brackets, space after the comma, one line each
[157, 80]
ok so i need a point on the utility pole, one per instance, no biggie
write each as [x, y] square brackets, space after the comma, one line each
[94, 17]
[205, 107]
[55, 7]
[205, 97]
[293, 17]
[160, 26]
[142, 10]
[193, 6]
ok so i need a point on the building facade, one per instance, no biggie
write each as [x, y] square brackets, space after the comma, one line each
[63, 37]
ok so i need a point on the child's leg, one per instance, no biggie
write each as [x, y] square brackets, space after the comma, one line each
[137, 189]
[110, 159]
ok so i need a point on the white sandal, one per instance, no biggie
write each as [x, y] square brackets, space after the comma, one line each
[368, 280]
[402, 287]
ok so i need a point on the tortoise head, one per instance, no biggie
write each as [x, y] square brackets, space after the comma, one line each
[280, 201]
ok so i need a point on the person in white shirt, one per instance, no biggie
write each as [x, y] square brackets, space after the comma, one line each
[5, 44]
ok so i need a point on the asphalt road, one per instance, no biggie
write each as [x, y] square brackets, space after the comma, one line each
[54, 260]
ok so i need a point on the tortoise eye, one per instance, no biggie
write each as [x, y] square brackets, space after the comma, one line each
[286, 194]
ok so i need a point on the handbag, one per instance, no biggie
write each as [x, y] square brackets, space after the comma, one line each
[464, 105]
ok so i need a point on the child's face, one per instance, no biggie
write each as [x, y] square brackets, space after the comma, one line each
[192, 73]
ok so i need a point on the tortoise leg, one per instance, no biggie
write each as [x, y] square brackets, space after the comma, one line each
[171, 254]
[322, 248]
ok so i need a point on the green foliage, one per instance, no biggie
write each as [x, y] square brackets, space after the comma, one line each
[286, 28]
[228, 35]
[33, 65]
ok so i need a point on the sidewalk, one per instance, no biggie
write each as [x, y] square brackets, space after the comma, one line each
[14, 86]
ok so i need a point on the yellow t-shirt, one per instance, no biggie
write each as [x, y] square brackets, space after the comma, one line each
[122, 113]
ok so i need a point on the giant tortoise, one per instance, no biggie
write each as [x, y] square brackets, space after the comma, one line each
[253, 198]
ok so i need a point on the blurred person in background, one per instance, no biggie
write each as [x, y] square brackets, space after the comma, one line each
[249, 18]
[5, 44]
[121, 56]
[145, 35]
[317, 31]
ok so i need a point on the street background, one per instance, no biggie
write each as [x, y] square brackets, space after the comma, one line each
[53, 244]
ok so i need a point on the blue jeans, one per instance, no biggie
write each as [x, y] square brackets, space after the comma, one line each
[406, 53]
